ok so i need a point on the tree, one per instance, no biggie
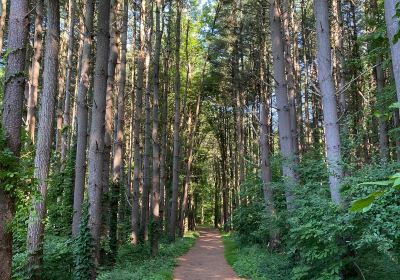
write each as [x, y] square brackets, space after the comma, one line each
[96, 142]
[284, 123]
[3, 13]
[119, 141]
[35, 71]
[392, 25]
[332, 140]
[82, 117]
[176, 149]
[68, 78]
[14, 85]
[45, 131]
[137, 126]
[155, 198]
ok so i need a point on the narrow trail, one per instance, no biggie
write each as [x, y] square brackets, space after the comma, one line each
[205, 260]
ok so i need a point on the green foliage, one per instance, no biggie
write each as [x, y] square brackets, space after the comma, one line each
[364, 204]
[60, 196]
[83, 249]
[254, 261]
[57, 260]
[136, 263]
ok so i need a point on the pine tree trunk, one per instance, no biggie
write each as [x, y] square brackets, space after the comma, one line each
[35, 71]
[119, 141]
[284, 115]
[176, 151]
[68, 77]
[14, 87]
[382, 125]
[96, 141]
[144, 223]
[392, 25]
[82, 117]
[137, 127]
[3, 14]
[328, 98]
[45, 131]
[155, 200]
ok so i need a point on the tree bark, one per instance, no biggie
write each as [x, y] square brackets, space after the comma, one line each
[96, 142]
[155, 201]
[327, 87]
[176, 151]
[3, 14]
[119, 141]
[82, 117]
[144, 223]
[284, 116]
[68, 77]
[137, 127]
[392, 25]
[35, 71]
[45, 131]
[14, 86]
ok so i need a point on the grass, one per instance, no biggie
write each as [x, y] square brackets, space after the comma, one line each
[136, 263]
[255, 262]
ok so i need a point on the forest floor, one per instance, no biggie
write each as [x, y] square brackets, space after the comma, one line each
[205, 260]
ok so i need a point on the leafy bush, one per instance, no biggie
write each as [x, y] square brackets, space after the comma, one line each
[254, 261]
[136, 263]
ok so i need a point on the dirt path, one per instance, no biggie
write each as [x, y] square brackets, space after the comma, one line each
[205, 260]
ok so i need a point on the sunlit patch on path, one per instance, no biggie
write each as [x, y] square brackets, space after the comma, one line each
[205, 260]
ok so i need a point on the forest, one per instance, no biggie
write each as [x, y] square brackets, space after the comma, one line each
[185, 139]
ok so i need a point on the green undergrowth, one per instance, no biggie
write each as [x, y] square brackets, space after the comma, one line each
[137, 264]
[254, 261]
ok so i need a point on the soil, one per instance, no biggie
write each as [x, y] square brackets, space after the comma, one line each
[205, 260]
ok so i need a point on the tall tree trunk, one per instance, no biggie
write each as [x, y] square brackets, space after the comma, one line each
[118, 143]
[82, 117]
[144, 223]
[155, 200]
[109, 114]
[96, 142]
[290, 75]
[265, 163]
[176, 151]
[14, 86]
[284, 116]
[35, 71]
[68, 77]
[137, 126]
[45, 131]
[338, 40]
[192, 134]
[392, 24]
[3, 14]
[382, 125]
[164, 120]
[327, 86]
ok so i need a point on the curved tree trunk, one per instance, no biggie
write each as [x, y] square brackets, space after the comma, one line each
[45, 131]
[96, 142]
[82, 117]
